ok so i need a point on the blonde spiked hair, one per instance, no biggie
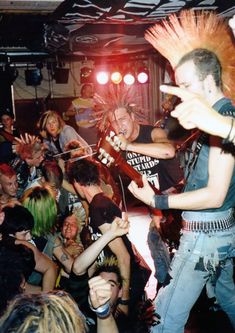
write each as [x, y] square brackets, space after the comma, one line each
[176, 36]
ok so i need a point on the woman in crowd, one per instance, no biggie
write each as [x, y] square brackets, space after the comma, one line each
[56, 134]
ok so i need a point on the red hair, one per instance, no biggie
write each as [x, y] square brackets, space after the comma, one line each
[6, 170]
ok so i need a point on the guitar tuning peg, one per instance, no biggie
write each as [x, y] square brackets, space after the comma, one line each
[108, 138]
[104, 161]
[116, 147]
[101, 153]
[111, 160]
[116, 139]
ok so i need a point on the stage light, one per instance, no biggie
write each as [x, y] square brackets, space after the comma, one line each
[116, 77]
[142, 75]
[102, 77]
[129, 79]
[33, 77]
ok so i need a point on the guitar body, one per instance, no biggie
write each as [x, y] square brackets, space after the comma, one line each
[109, 153]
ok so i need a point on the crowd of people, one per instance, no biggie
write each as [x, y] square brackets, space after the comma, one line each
[66, 262]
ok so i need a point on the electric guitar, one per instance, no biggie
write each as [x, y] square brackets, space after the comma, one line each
[110, 153]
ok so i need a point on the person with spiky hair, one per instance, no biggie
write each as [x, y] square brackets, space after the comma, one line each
[8, 184]
[200, 49]
[29, 156]
[148, 150]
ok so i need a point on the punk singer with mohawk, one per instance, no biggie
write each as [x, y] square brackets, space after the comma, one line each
[200, 49]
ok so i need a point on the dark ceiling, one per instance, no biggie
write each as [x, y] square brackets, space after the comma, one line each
[83, 28]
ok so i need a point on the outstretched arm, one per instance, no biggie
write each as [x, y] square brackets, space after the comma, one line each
[118, 228]
[194, 111]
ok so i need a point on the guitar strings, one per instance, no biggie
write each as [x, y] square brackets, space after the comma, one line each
[123, 194]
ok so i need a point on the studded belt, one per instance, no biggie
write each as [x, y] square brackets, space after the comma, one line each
[207, 226]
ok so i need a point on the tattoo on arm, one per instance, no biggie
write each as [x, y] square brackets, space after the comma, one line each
[64, 257]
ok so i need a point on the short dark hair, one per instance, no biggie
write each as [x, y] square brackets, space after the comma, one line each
[109, 265]
[52, 173]
[16, 263]
[17, 218]
[83, 171]
[206, 63]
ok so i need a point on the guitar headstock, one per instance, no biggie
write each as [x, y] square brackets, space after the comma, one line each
[108, 147]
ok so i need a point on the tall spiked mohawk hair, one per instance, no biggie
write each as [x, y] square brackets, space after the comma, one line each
[176, 36]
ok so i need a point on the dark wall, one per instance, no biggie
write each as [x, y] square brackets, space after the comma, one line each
[29, 111]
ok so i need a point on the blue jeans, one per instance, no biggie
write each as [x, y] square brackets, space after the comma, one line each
[201, 258]
[159, 253]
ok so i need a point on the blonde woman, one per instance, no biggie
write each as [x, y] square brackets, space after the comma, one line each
[56, 134]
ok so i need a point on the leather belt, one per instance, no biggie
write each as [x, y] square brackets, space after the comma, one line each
[207, 226]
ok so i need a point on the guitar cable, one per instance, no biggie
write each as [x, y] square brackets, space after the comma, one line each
[123, 194]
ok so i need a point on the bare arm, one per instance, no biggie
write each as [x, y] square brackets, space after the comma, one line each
[86, 258]
[49, 270]
[160, 148]
[220, 163]
[62, 255]
[119, 249]
[194, 111]
[44, 265]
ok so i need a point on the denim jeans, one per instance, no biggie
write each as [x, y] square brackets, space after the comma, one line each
[159, 253]
[200, 258]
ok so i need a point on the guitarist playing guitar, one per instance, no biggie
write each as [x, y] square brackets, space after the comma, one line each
[147, 150]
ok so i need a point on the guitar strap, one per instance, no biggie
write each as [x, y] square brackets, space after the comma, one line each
[194, 155]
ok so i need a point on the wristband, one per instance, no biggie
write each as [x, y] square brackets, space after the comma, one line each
[102, 311]
[161, 201]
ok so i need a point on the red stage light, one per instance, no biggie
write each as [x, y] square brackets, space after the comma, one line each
[116, 77]
[129, 79]
[102, 77]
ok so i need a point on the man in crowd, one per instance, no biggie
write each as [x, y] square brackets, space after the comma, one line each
[8, 184]
[147, 149]
[85, 177]
[29, 156]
